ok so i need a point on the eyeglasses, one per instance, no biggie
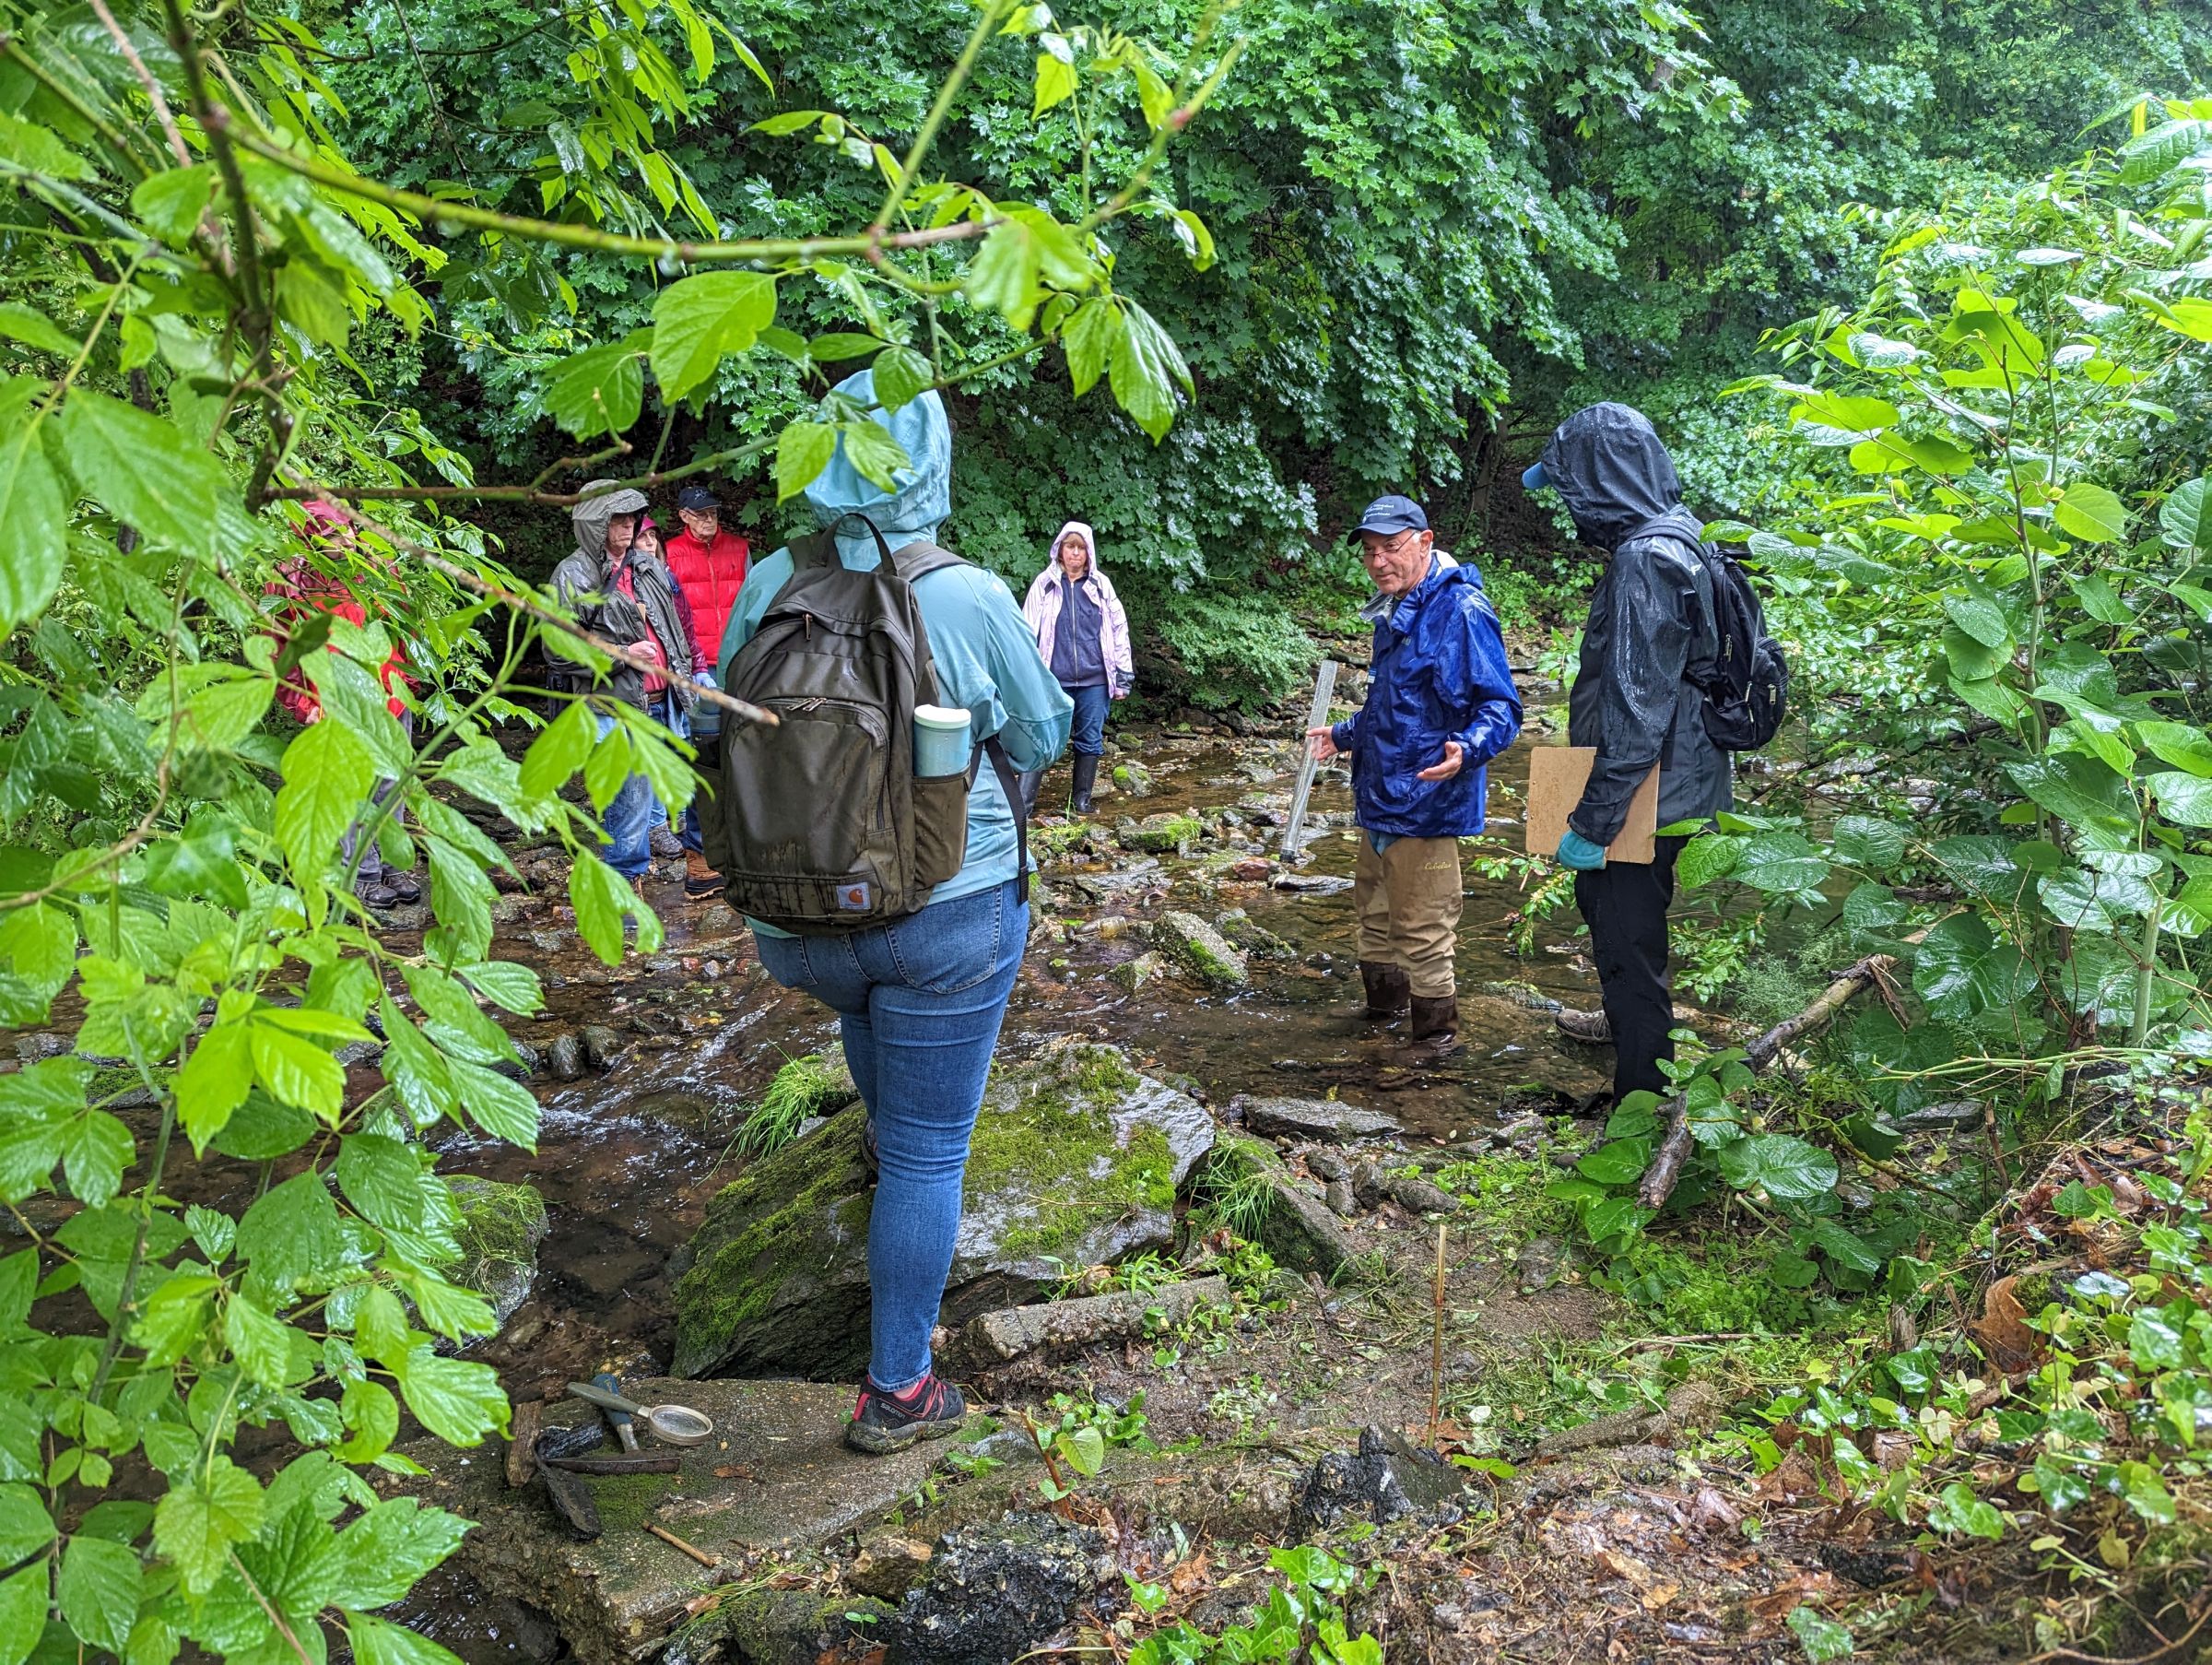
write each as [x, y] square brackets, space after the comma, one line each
[1395, 547]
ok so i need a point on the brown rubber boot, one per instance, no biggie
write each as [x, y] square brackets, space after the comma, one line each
[1389, 995]
[1592, 1028]
[1435, 1028]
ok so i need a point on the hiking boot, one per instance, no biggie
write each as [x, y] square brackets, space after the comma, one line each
[377, 895]
[699, 879]
[1435, 1028]
[1592, 1028]
[882, 1422]
[663, 842]
[405, 887]
[1087, 777]
[1389, 995]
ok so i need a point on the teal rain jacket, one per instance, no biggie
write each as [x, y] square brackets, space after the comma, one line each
[986, 657]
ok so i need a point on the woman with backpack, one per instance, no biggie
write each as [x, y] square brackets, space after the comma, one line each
[919, 995]
[1084, 636]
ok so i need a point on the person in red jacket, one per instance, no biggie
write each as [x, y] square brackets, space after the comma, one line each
[709, 565]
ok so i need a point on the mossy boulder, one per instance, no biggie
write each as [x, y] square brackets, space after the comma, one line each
[1076, 1159]
[500, 1228]
[1201, 950]
[1132, 779]
[1163, 832]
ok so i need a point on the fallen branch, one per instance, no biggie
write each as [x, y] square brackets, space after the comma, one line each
[998, 1338]
[1660, 1178]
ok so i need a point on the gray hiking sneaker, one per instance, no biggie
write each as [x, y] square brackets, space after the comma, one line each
[1592, 1028]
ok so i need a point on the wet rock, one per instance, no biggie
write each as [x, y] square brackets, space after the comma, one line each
[1385, 1479]
[691, 1111]
[507, 909]
[1338, 1196]
[1255, 940]
[1076, 1161]
[1249, 870]
[1958, 1112]
[1132, 779]
[1294, 1225]
[564, 1058]
[1161, 833]
[1539, 1264]
[551, 939]
[500, 1228]
[1202, 950]
[718, 919]
[994, 1593]
[1327, 1165]
[790, 1627]
[1316, 1118]
[1418, 1196]
[1138, 975]
[602, 1046]
[525, 1063]
[889, 1564]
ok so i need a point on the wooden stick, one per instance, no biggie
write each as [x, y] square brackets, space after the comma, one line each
[1660, 1178]
[1325, 685]
[1436, 1346]
[710, 1563]
[626, 1462]
[522, 1467]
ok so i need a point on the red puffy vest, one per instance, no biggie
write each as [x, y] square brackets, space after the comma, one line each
[712, 575]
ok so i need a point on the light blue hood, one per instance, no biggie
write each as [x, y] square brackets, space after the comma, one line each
[923, 499]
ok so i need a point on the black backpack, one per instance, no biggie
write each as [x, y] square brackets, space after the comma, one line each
[820, 824]
[1747, 688]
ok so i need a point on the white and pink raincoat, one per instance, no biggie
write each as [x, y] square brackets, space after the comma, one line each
[1041, 608]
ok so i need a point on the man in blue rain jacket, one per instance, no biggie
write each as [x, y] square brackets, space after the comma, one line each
[1441, 704]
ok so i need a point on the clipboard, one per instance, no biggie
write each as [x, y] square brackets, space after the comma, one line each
[1556, 776]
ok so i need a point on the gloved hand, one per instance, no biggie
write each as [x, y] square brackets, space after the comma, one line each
[1578, 853]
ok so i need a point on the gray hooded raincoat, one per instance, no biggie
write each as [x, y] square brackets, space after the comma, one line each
[585, 584]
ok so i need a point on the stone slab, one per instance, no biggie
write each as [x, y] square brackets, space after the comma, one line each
[1317, 1119]
[790, 1482]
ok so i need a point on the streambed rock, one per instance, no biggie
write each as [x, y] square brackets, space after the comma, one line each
[1076, 1161]
[1317, 1119]
[1201, 950]
[502, 1227]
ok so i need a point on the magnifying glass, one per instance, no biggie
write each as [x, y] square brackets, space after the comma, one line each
[674, 1424]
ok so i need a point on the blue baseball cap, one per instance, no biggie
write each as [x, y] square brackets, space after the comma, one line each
[1534, 477]
[1390, 516]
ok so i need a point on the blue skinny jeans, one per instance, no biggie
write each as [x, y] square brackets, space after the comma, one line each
[1086, 732]
[919, 1003]
[627, 821]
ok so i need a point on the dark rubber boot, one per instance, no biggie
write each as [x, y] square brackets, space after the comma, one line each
[1389, 995]
[1087, 777]
[1435, 1029]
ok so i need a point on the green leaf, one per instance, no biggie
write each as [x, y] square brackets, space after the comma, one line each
[34, 328]
[1956, 1509]
[903, 375]
[1780, 862]
[803, 451]
[1089, 336]
[2185, 517]
[457, 1399]
[32, 509]
[1822, 1639]
[292, 1235]
[200, 861]
[23, 1599]
[872, 451]
[503, 1108]
[385, 1552]
[506, 983]
[203, 1517]
[1865, 842]
[172, 200]
[2183, 797]
[99, 1591]
[380, 1328]
[372, 1412]
[328, 776]
[383, 1179]
[840, 346]
[1002, 276]
[600, 898]
[25, 1526]
[700, 319]
[2181, 744]
[2091, 513]
[1784, 1166]
[1145, 368]
[261, 1130]
[1981, 619]
[599, 390]
[381, 1642]
[1966, 973]
[1084, 1448]
[2079, 790]
[145, 470]
[296, 1070]
[1618, 1163]
[1844, 1246]
[1056, 81]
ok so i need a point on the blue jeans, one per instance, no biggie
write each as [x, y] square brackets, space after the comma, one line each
[919, 1002]
[1087, 736]
[626, 821]
[664, 709]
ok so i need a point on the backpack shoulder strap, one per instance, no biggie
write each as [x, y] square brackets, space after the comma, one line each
[1010, 782]
[918, 559]
[812, 549]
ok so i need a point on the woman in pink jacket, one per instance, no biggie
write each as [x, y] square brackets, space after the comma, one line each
[1084, 636]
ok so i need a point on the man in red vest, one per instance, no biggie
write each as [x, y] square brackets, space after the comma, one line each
[708, 564]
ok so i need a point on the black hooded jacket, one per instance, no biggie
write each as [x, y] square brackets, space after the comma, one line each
[1651, 624]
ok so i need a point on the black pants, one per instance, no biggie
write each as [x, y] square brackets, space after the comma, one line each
[1624, 906]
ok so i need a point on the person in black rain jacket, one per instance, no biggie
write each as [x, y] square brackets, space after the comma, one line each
[1651, 635]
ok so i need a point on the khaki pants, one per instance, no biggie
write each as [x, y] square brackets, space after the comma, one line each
[1408, 900]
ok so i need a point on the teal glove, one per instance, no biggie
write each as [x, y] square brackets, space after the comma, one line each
[1578, 853]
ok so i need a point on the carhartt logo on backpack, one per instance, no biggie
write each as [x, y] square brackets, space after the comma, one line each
[853, 899]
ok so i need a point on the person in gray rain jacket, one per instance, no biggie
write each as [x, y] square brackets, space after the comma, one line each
[1651, 635]
[630, 601]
